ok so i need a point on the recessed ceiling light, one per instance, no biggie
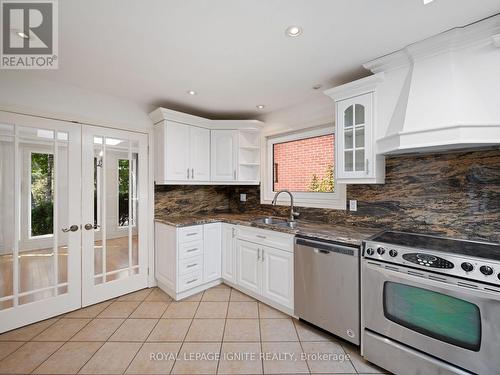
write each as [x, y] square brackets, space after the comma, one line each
[317, 86]
[22, 35]
[293, 31]
[261, 106]
[191, 92]
[427, 1]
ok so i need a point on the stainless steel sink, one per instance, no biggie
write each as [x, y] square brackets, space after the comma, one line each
[288, 224]
[270, 221]
[274, 221]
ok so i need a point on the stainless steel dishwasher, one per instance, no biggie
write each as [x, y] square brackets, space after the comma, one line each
[327, 286]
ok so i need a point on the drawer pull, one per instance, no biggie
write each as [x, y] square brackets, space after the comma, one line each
[261, 236]
[191, 281]
[191, 265]
[191, 250]
[191, 234]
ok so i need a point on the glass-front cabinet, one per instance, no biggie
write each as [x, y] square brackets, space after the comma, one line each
[356, 159]
[354, 127]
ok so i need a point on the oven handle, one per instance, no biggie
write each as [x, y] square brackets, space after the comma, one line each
[458, 291]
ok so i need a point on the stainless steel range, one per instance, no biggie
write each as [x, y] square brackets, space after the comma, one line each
[430, 305]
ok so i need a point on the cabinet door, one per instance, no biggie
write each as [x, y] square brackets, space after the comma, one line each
[224, 155]
[277, 276]
[177, 151]
[229, 252]
[165, 255]
[354, 140]
[211, 252]
[199, 159]
[249, 268]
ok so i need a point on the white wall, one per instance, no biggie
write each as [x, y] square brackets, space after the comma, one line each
[21, 93]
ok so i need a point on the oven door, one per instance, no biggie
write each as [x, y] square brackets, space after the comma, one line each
[457, 324]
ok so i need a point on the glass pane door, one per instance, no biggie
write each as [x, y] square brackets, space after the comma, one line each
[40, 224]
[114, 163]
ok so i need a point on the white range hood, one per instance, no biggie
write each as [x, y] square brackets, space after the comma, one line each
[442, 93]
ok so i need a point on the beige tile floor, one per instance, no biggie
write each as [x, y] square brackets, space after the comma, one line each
[219, 331]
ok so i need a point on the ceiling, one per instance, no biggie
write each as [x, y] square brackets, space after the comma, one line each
[235, 53]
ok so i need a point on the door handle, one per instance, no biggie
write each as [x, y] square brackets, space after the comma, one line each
[192, 172]
[234, 174]
[89, 226]
[188, 173]
[72, 228]
[258, 254]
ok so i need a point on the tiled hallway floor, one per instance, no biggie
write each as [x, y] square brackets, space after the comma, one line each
[219, 331]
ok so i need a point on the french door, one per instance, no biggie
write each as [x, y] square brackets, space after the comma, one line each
[73, 216]
[40, 213]
[114, 201]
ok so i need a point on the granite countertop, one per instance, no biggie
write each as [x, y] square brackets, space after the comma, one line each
[343, 234]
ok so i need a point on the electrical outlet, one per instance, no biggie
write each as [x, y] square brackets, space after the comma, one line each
[353, 205]
[243, 197]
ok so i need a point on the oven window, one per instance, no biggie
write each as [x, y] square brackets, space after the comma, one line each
[437, 315]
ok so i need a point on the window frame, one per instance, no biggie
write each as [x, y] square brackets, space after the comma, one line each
[335, 200]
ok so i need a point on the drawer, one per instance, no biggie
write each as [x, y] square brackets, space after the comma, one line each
[190, 280]
[270, 238]
[190, 265]
[188, 234]
[190, 249]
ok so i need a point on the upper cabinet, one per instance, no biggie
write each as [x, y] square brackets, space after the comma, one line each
[356, 161]
[192, 150]
[183, 152]
[224, 158]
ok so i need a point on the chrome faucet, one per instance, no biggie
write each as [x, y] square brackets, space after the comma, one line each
[293, 214]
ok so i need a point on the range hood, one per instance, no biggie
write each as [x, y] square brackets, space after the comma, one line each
[442, 93]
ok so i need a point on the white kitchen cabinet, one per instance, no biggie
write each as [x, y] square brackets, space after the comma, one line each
[212, 241]
[188, 259]
[182, 153]
[249, 266]
[199, 152]
[355, 159]
[354, 141]
[176, 167]
[224, 155]
[277, 275]
[229, 252]
[263, 270]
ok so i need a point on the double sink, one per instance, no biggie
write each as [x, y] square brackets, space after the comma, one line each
[276, 222]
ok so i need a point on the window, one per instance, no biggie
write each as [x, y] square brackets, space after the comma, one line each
[42, 194]
[303, 163]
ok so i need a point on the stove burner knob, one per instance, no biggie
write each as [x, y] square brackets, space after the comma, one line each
[370, 251]
[467, 267]
[393, 253]
[486, 270]
[380, 251]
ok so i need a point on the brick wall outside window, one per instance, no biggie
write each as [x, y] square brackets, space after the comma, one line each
[297, 162]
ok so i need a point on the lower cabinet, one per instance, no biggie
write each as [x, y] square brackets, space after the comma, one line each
[249, 266]
[188, 259]
[259, 262]
[212, 252]
[277, 276]
[266, 271]
[229, 252]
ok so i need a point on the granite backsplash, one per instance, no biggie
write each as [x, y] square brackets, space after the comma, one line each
[454, 194]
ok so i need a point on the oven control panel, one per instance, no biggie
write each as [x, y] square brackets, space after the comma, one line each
[478, 269]
[427, 260]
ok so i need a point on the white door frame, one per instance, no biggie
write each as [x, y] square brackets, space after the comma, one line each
[95, 293]
[28, 313]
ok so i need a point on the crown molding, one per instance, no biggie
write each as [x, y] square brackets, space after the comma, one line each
[481, 33]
